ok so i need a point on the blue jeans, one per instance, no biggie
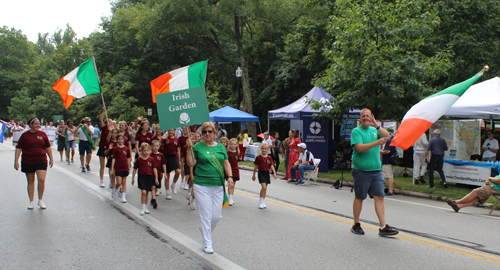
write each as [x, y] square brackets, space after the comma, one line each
[301, 168]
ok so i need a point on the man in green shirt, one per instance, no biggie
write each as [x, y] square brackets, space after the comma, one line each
[491, 187]
[367, 170]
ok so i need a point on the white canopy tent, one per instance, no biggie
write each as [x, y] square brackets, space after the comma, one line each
[481, 100]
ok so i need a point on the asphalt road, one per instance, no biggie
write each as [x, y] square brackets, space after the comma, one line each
[304, 227]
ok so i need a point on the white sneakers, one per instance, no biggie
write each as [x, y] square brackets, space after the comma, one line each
[31, 205]
[42, 205]
[124, 200]
[208, 250]
[192, 204]
[157, 192]
[143, 211]
[168, 197]
[146, 211]
[172, 187]
[102, 185]
[231, 202]
[262, 204]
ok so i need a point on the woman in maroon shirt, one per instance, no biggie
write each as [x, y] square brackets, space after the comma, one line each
[35, 145]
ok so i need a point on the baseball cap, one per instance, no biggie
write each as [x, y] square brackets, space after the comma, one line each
[302, 145]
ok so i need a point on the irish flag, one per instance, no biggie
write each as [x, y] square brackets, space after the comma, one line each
[80, 82]
[423, 114]
[180, 79]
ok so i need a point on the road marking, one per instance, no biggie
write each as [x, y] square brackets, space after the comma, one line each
[195, 246]
[405, 236]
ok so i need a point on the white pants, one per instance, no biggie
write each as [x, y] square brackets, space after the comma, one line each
[209, 203]
[419, 162]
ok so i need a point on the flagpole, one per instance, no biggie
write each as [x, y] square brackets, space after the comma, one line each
[99, 81]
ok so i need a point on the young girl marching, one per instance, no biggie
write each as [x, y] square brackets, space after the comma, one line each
[264, 163]
[148, 176]
[112, 142]
[120, 160]
[160, 164]
[232, 153]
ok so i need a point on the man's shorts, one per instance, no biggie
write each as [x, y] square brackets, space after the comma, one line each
[371, 183]
[485, 192]
[85, 146]
[388, 171]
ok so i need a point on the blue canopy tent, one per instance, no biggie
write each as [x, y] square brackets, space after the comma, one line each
[229, 114]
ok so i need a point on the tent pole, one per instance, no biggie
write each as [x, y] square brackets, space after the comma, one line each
[260, 127]
[268, 127]
[492, 124]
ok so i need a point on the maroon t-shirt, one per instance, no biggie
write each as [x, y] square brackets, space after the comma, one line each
[233, 160]
[104, 136]
[184, 151]
[171, 147]
[182, 141]
[34, 147]
[160, 160]
[121, 154]
[145, 166]
[264, 164]
[126, 138]
[139, 137]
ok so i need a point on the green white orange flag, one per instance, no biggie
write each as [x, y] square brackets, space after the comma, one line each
[180, 79]
[80, 82]
[423, 114]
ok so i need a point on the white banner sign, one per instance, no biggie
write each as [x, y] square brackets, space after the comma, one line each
[469, 175]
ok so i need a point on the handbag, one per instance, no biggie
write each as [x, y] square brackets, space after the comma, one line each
[394, 158]
[246, 142]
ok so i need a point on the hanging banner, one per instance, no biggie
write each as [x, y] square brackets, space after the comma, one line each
[315, 136]
[182, 108]
[346, 129]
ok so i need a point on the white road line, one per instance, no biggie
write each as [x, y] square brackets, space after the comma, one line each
[189, 243]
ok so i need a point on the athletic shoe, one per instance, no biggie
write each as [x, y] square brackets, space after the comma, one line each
[42, 205]
[445, 185]
[146, 211]
[208, 250]
[356, 229]
[153, 203]
[174, 190]
[300, 183]
[422, 180]
[31, 206]
[453, 204]
[387, 230]
[416, 181]
[157, 192]
[261, 205]
[429, 187]
[115, 195]
[291, 181]
[389, 194]
[102, 185]
[169, 197]
[192, 204]
[124, 200]
[231, 202]
[88, 167]
[143, 211]
[264, 205]
[83, 169]
[188, 196]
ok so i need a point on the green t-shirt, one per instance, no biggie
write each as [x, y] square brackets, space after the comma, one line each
[205, 173]
[496, 186]
[368, 160]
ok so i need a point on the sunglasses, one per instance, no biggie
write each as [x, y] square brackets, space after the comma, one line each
[207, 131]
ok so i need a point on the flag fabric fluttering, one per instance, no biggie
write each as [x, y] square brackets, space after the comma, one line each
[2, 131]
[425, 113]
[180, 79]
[80, 82]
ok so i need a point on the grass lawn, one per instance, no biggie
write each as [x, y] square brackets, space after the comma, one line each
[453, 191]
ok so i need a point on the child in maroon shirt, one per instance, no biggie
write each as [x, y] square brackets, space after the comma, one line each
[264, 163]
[148, 176]
[232, 154]
[120, 160]
[161, 165]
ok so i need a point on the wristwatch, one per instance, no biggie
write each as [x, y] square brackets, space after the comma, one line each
[378, 127]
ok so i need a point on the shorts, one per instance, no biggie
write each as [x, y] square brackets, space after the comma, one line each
[100, 152]
[145, 182]
[485, 192]
[122, 174]
[108, 163]
[70, 145]
[85, 147]
[388, 171]
[264, 177]
[31, 168]
[371, 183]
[61, 146]
[172, 162]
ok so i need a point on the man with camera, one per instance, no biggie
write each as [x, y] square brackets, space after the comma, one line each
[86, 145]
[366, 170]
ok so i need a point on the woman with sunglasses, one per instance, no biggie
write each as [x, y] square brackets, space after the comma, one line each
[34, 146]
[211, 162]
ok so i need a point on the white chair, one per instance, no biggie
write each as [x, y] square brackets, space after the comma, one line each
[312, 174]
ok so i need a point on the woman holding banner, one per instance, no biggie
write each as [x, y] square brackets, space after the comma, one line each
[211, 162]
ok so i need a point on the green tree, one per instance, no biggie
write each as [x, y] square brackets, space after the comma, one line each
[376, 56]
